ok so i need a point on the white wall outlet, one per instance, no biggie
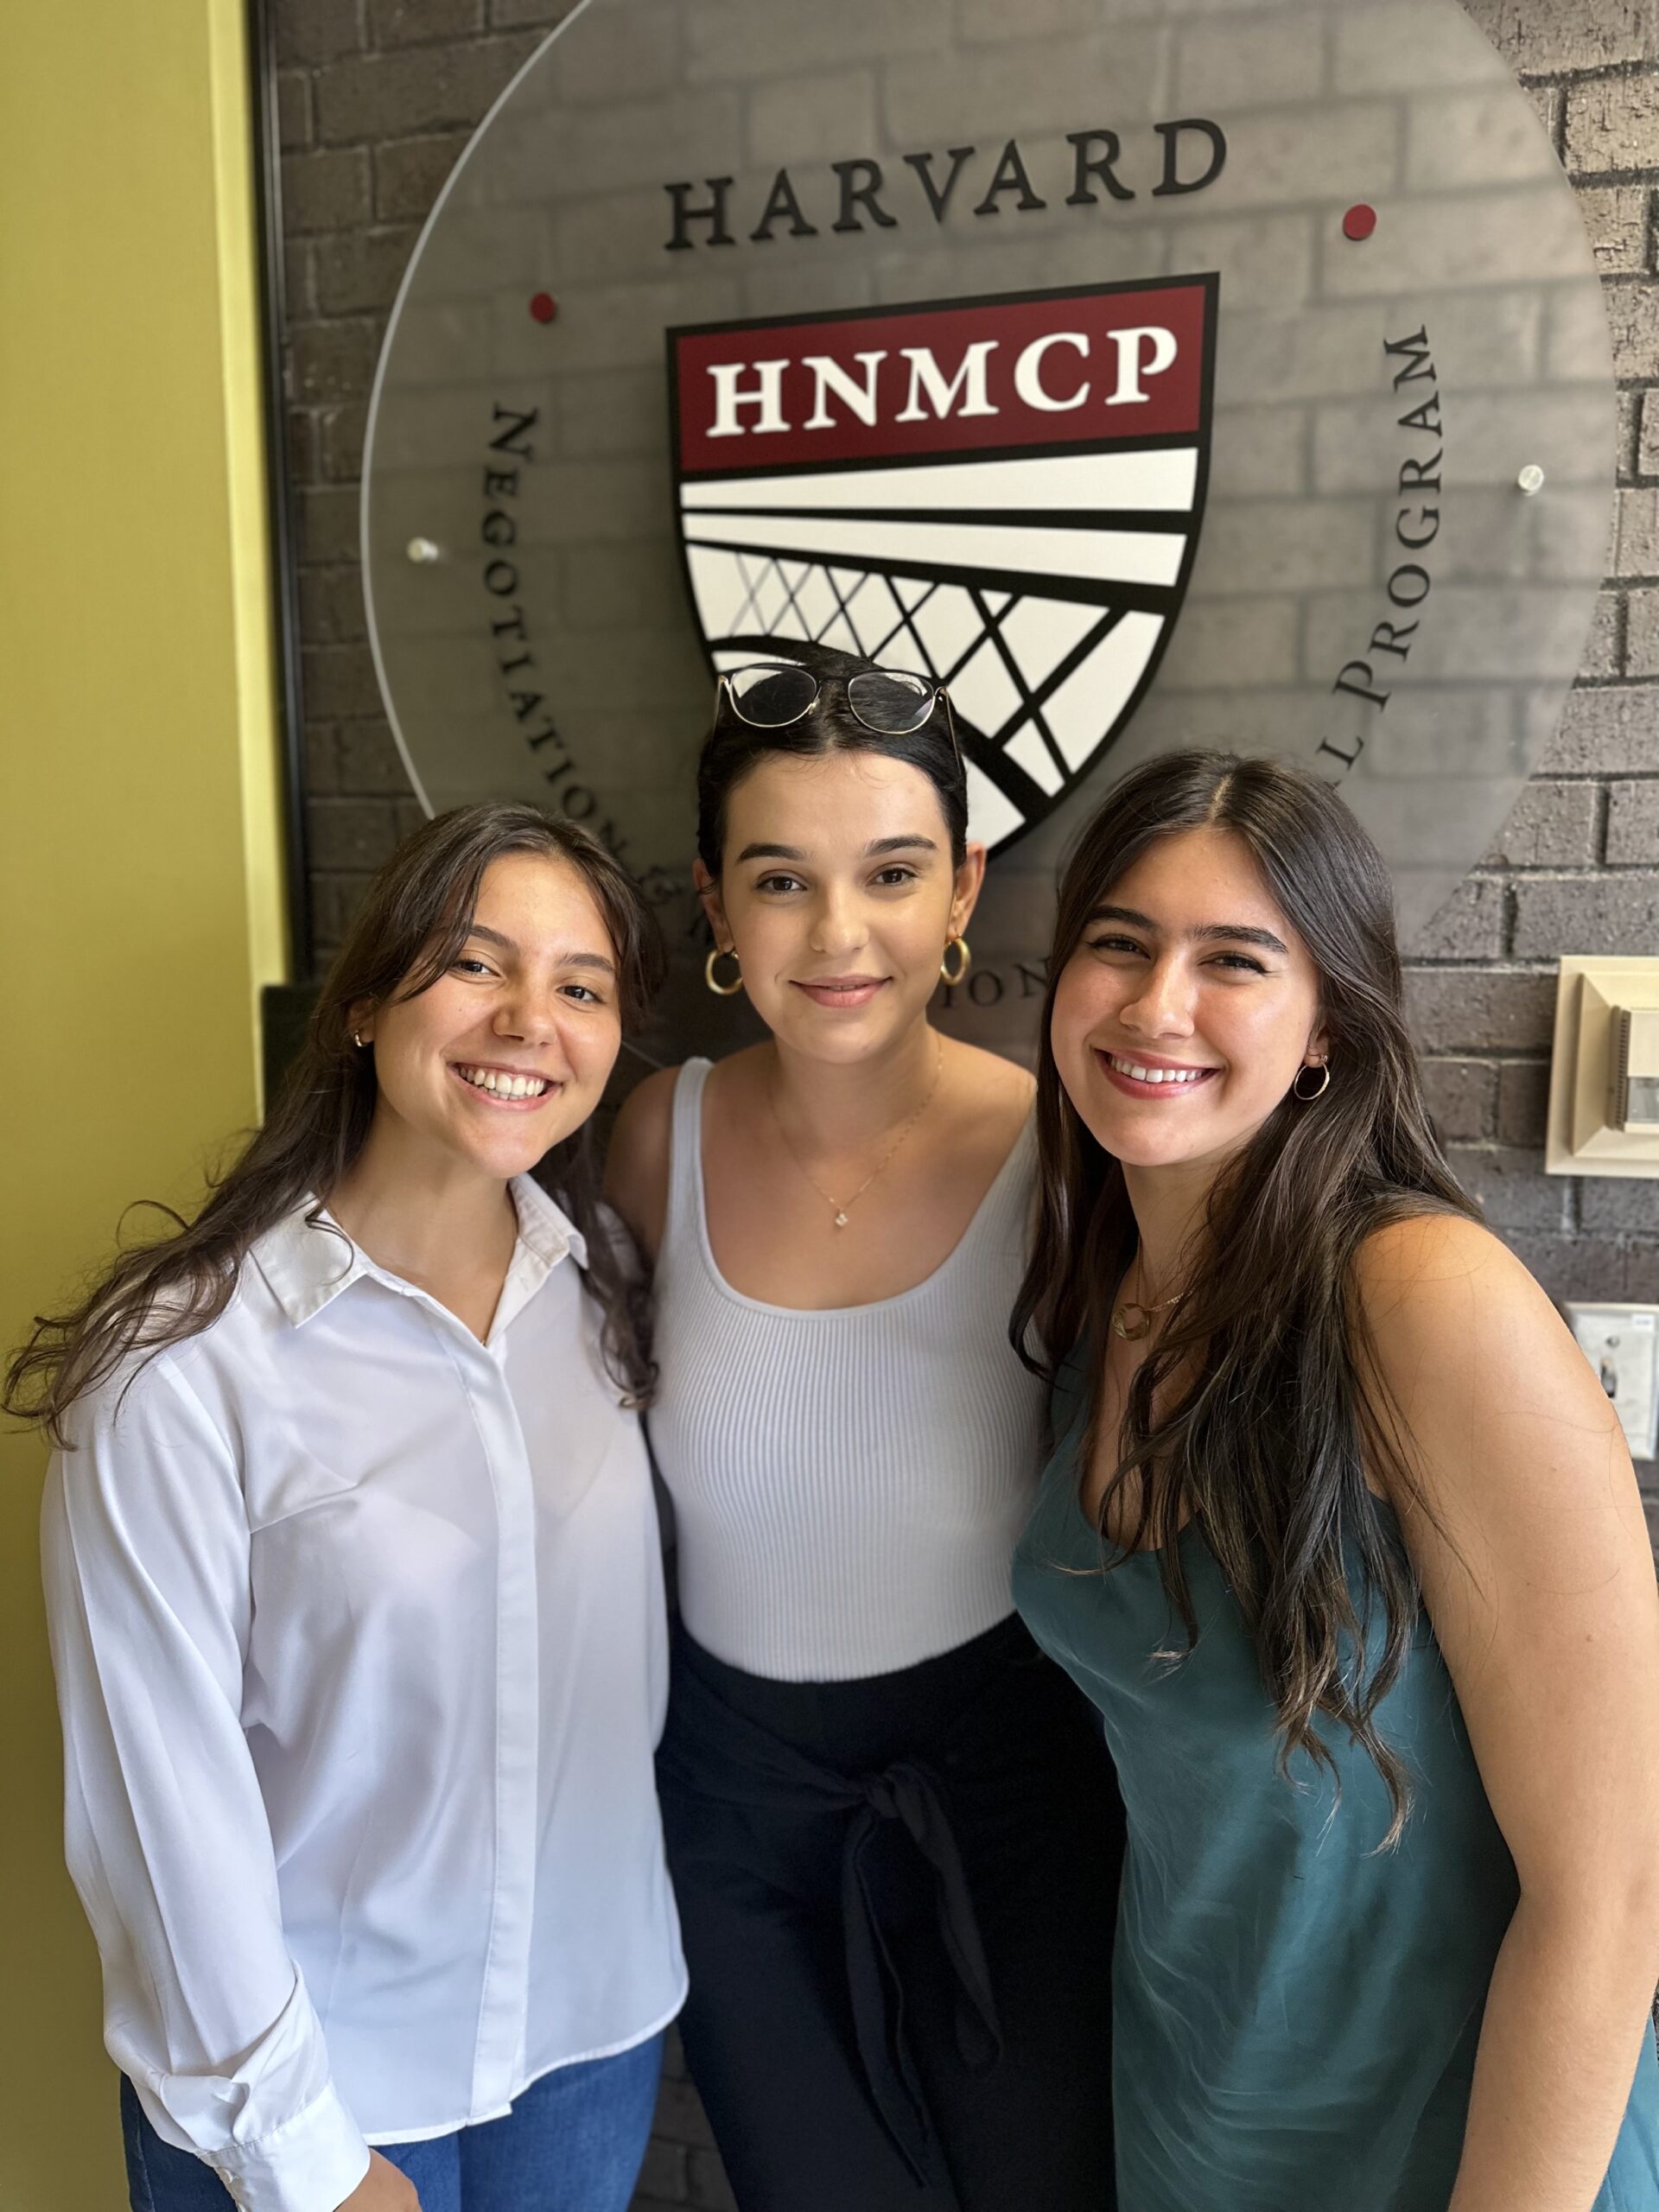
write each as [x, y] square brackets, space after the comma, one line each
[1622, 1343]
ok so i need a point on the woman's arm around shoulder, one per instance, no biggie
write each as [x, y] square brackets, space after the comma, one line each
[636, 1165]
[1528, 1535]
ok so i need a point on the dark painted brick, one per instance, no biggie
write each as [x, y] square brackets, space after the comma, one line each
[1619, 1205]
[395, 95]
[1453, 1010]
[1550, 101]
[1540, 36]
[370, 762]
[1642, 633]
[1616, 218]
[322, 760]
[663, 2173]
[1641, 1274]
[1612, 126]
[313, 32]
[674, 2065]
[327, 525]
[1550, 826]
[332, 361]
[326, 191]
[409, 174]
[362, 270]
[1523, 1101]
[340, 681]
[1629, 434]
[342, 431]
[1513, 1187]
[1633, 825]
[331, 604]
[299, 281]
[709, 2187]
[1603, 651]
[1570, 1266]
[304, 445]
[1470, 926]
[1461, 1095]
[295, 124]
[336, 899]
[351, 833]
[1557, 914]
[1633, 320]
[419, 22]
[680, 2117]
[1636, 551]
[545, 13]
[1605, 732]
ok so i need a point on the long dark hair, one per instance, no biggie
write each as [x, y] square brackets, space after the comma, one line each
[1258, 1409]
[733, 746]
[411, 925]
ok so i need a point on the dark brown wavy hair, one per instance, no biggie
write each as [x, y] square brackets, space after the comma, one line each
[409, 930]
[1258, 1409]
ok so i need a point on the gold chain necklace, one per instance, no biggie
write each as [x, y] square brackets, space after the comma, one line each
[840, 1207]
[1141, 1325]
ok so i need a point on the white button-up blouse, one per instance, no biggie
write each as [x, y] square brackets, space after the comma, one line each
[360, 1640]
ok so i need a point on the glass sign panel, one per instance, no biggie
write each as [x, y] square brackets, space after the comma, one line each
[1151, 376]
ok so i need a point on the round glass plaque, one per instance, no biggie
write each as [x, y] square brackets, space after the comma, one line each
[1149, 376]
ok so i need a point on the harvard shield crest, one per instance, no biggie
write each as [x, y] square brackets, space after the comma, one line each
[1004, 494]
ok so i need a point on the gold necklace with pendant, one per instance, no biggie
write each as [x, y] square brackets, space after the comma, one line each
[840, 1208]
[1132, 1316]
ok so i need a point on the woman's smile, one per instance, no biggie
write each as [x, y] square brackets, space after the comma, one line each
[515, 1089]
[839, 990]
[1145, 1074]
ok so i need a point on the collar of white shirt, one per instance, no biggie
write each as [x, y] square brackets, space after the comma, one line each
[308, 1259]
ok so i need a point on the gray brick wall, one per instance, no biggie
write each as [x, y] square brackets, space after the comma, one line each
[376, 98]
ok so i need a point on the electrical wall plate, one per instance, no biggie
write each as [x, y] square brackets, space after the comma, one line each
[1622, 1343]
[1583, 1136]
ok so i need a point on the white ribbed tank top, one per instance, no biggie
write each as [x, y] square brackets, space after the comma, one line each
[848, 1485]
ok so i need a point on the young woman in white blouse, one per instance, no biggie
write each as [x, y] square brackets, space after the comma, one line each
[355, 1588]
[893, 1833]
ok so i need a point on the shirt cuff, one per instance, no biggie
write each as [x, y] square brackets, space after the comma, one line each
[311, 2164]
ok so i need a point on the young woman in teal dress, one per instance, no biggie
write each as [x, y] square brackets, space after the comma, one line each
[1342, 1537]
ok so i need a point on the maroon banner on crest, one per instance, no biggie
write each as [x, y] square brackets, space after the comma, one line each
[1071, 368]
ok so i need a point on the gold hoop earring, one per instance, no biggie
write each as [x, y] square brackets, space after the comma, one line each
[965, 961]
[1308, 1097]
[721, 990]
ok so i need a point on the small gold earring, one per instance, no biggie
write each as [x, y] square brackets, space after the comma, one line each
[965, 961]
[722, 990]
[356, 1040]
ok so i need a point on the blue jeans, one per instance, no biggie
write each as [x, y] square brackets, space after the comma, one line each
[573, 2142]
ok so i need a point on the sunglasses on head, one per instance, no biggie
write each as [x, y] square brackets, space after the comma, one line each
[888, 701]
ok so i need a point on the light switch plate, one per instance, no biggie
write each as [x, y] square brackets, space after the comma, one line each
[1621, 1345]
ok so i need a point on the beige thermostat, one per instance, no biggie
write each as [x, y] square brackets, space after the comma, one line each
[1604, 1077]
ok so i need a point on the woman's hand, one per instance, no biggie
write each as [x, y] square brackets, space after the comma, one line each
[383, 2189]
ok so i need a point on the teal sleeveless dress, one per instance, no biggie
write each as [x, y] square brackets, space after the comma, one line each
[1296, 2015]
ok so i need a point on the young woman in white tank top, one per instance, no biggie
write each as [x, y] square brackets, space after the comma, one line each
[893, 1834]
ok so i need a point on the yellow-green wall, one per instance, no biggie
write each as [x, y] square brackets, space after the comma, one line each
[140, 894]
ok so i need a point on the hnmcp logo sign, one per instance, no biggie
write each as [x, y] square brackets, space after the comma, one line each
[1003, 493]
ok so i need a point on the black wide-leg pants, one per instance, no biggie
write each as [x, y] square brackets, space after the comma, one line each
[897, 1894]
